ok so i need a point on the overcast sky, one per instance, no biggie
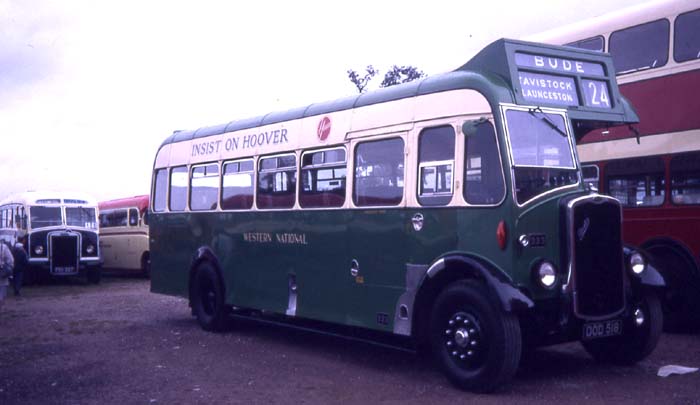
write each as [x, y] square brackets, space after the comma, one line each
[89, 89]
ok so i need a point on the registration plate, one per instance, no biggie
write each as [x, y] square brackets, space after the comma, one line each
[64, 270]
[595, 330]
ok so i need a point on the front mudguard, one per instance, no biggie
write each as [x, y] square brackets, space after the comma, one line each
[650, 278]
[509, 296]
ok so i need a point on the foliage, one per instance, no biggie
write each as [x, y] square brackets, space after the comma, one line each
[401, 74]
[396, 75]
[362, 82]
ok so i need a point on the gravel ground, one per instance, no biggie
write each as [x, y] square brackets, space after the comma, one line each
[71, 343]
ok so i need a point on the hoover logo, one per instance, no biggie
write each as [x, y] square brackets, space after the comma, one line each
[324, 128]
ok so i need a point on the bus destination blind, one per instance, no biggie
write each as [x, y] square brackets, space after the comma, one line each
[559, 87]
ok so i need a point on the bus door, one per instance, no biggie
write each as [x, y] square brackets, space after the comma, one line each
[317, 287]
[377, 231]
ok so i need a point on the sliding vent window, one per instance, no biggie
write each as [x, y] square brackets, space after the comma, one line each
[178, 188]
[205, 187]
[323, 178]
[237, 190]
[641, 47]
[277, 181]
[436, 153]
[379, 173]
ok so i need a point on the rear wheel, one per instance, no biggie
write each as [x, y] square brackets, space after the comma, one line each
[681, 299]
[640, 334]
[476, 344]
[207, 299]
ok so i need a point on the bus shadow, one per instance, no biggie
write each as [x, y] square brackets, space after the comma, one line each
[385, 353]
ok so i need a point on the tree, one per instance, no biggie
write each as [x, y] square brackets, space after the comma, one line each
[401, 74]
[362, 82]
[396, 75]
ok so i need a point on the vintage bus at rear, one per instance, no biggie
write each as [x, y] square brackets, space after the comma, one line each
[449, 210]
[124, 234]
[60, 230]
[654, 169]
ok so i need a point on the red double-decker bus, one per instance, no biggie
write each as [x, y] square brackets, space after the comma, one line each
[652, 168]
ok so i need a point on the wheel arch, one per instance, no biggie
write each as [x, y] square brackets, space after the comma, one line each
[673, 246]
[204, 254]
[451, 268]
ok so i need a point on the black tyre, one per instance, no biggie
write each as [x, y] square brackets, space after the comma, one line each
[208, 299]
[636, 341]
[680, 301]
[94, 275]
[146, 265]
[475, 343]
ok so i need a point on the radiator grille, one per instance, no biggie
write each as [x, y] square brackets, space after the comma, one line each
[597, 257]
[64, 254]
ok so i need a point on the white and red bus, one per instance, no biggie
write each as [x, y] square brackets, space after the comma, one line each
[124, 234]
[653, 168]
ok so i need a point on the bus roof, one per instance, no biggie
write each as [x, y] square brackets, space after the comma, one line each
[139, 201]
[492, 72]
[609, 22]
[51, 198]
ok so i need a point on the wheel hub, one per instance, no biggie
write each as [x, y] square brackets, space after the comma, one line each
[463, 339]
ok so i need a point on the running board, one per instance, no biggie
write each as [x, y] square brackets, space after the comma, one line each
[321, 330]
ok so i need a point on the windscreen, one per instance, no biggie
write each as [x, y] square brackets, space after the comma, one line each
[82, 217]
[542, 154]
[41, 217]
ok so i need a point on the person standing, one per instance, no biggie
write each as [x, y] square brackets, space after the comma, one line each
[21, 263]
[7, 263]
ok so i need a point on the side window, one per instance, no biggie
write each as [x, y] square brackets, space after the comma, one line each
[23, 216]
[483, 177]
[237, 185]
[686, 36]
[638, 182]
[685, 179]
[592, 44]
[159, 189]
[113, 218]
[178, 188]
[436, 154]
[277, 179]
[323, 178]
[591, 175]
[133, 217]
[145, 217]
[103, 219]
[641, 47]
[204, 187]
[379, 173]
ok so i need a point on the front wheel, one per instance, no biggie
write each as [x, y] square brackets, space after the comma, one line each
[476, 344]
[146, 265]
[640, 334]
[207, 299]
[94, 274]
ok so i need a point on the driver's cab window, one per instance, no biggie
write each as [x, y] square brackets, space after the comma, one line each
[483, 178]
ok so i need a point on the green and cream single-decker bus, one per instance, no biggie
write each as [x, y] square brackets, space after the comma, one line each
[449, 210]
